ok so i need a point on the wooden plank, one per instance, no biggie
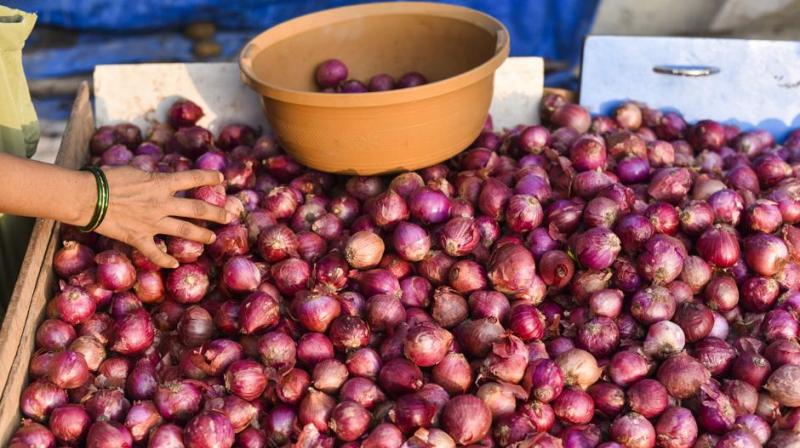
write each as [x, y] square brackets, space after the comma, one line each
[36, 280]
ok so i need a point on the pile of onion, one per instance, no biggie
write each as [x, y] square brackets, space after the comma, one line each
[612, 281]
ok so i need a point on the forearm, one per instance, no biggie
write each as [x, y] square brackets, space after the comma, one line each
[41, 190]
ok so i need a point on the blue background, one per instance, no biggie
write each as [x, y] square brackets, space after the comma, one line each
[125, 31]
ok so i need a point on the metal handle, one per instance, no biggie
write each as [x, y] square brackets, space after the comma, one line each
[692, 71]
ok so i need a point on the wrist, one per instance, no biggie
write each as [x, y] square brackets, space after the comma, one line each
[80, 211]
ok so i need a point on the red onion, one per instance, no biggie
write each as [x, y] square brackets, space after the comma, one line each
[291, 275]
[648, 398]
[653, 304]
[500, 398]
[91, 349]
[73, 305]
[579, 368]
[246, 379]
[573, 116]
[597, 248]
[108, 434]
[385, 435]
[178, 400]
[633, 431]
[364, 362]
[676, 428]
[588, 152]
[429, 206]
[765, 254]
[721, 293]
[72, 259]
[316, 409]
[188, 283]
[494, 198]
[241, 275]
[609, 399]
[195, 327]
[349, 420]
[292, 386]
[682, 375]
[459, 236]
[141, 419]
[114, 271]
[574, 406]
[315, 311]
[39, 398]
[599, 336]
[363, 391]
[329, 375]
[349, 333]
[453, 373]
[364, 249]
[543, 380]
[54, 334]
[782, 385]
[184, 113]
[399, 376]
[68, 370]
[466, 419]
[715, 413]
[107, 404]
[258, 311]
[466, 276]
[384, 312]
[314, 347]
[715, 354]
[511, 269]
[388, 208]
[426, 344]
[69, 424]
[759, 293]
[448, 307]
[209, 429]
[377, 281]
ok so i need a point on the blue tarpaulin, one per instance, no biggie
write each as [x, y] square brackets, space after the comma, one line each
[111, 31]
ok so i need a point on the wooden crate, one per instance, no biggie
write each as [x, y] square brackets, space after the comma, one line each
[140, 93]
[26, 308]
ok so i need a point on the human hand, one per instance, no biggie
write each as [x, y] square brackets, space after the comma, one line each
[142, 205]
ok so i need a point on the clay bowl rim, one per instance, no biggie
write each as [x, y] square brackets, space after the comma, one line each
[331, 17]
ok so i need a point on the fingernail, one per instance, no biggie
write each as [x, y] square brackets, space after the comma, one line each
[213, 238]
[229, 217]
[174, 264]
[220, 177]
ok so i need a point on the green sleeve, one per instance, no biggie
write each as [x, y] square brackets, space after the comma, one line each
[19, 128]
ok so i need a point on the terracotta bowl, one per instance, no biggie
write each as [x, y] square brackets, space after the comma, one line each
[457, 49]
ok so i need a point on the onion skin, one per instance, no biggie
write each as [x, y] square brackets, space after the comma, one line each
[579, 368]
[682, 375]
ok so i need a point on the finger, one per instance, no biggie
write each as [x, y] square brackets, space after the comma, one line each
[196, 209]
[186, 230]
[185, 180]
[149, 249]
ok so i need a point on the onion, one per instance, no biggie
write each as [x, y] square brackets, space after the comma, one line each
[609, 399]
[69, 424]
[676, 428]
[314, 347]
[429, 206]
[633, 431]
[349, 333]
[209, 429]
[384, 312]
[188, 283]
[543, 380]
[178, 400]
[682, 375]
[141, 419]
[349, 420]
[574, 406]
[511, 269]
[107, 404]
[466, 419]
[579, 368]
[315, 311]
[765, 254]
[114, 271]
[258, 311]
[107, 434]
[597, 248]
[782, 385]
[40, 398]
[385, 435]
[453, 373]
[133, 333]
[648, 398]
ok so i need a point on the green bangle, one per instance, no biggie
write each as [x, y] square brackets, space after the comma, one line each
[101, 207]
